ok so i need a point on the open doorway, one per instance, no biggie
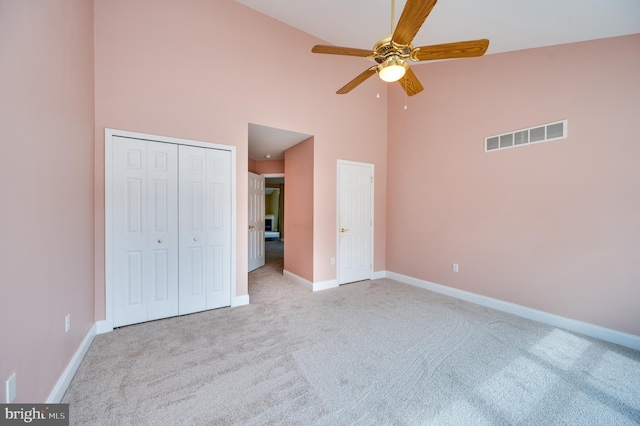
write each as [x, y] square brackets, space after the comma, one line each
[274, 222]
[266, 149]
[274, 208]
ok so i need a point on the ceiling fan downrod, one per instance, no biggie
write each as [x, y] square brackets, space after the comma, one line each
[393, 13]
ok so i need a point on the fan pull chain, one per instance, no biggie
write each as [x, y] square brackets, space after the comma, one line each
[405, 93]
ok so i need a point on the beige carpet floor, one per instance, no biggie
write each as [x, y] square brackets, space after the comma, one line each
[369, 353]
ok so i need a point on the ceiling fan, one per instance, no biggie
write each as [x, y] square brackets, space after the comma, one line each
[391, 52]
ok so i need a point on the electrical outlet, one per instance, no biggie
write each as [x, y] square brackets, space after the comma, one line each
[333, 260]
[67, 323]
[455, 267]
[11, 388]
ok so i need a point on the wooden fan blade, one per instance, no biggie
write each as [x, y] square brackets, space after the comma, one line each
[336, 50]
[356, 81]
[462, 49]
[410, 83]
[412, 18]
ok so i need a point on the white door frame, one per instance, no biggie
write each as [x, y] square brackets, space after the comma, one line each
[108, 148]
[371, 207]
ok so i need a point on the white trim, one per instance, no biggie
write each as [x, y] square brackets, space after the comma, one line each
[102, 327]
[325, 285]
[371, 209]
[240, 301]
[234, 237]
[273, 175]
[107, 325]
[65, 379]
[298, 279]
[108, 220]
[591, 330]
[319, 286]
[376, 275]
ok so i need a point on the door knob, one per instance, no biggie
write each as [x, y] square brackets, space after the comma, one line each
[195, 238]
[251, 226]
[344, 229]
[159, 241]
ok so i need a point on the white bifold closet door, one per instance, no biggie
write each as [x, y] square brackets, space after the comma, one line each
[145, 230]
[205, 223]
[171, 229]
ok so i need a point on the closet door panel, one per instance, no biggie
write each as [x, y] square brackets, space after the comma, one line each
[162, 225]
[130, 239]
[192, 229]
[218, 228]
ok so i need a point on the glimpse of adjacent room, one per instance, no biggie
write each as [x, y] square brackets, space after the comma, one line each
[273, 209]
[266, 167]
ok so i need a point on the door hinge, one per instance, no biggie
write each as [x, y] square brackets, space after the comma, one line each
[370, 266]
[370, 222]
[371, 179]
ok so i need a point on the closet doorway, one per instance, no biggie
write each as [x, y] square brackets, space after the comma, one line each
[169, 227]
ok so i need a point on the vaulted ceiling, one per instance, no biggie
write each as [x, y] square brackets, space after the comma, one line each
[508, 24]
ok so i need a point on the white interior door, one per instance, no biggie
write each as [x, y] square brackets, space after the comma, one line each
[256, 221]
[355, 221]
[145, 256]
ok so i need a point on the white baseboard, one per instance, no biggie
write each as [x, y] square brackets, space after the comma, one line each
[240, 301]
[591, 330]
[298, 279]
[325, 285]
[103, 327]
[65, 379]
[322, 285]
[376, 275]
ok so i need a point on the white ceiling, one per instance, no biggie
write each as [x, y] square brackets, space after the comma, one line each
[265, 141]
[508, 24]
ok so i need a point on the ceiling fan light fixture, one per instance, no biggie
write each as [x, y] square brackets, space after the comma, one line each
[392, 69]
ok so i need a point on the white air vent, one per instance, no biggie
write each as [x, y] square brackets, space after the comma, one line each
[542, 133]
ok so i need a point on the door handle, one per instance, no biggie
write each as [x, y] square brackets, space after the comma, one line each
[344, 229]
[251, 226]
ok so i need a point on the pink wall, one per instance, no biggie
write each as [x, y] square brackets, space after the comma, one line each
[269, 166]
[298, 250]
[157, 72]
[253, 168]
[553, 226]
[325, 183]
[46, 182]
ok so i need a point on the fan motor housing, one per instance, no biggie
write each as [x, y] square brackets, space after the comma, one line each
[385, 48]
